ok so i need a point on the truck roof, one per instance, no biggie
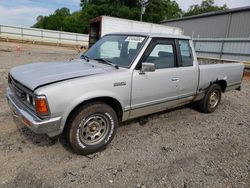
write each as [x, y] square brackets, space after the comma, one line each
[152, 35]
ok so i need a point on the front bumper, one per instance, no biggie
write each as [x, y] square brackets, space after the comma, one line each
[29, 119]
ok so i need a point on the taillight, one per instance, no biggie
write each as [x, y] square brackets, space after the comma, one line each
[41, 106]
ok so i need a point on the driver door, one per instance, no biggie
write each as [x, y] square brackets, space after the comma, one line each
[155, 91]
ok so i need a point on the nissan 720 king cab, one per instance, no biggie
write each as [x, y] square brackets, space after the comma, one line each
[122, 76]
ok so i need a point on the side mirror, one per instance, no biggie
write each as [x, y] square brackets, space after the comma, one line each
[147, 67]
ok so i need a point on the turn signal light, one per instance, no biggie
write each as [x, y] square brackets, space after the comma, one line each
[41, 106]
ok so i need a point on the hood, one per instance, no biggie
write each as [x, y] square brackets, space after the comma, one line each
[37, 74]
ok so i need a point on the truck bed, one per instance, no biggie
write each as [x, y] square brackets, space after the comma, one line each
[232, 73]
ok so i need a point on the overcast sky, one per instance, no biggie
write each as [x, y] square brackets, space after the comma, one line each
[24, 12]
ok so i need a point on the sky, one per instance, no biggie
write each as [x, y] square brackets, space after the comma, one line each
[24, 12]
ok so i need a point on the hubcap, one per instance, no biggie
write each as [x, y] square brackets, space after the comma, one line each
[93, 129]
[214, 99]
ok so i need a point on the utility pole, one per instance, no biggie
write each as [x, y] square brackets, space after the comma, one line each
[143, 4]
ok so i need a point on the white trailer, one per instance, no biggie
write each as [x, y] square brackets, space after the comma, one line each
[103, 25]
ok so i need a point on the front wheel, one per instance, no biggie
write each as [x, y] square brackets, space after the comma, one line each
[91, 128]
[211, 100]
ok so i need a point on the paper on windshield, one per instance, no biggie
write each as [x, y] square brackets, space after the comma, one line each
[134, 39]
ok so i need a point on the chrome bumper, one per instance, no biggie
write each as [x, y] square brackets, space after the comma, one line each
[27, 118]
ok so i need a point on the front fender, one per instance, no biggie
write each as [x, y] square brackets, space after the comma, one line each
[88, 96]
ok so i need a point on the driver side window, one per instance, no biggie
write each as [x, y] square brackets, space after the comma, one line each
[162, 56]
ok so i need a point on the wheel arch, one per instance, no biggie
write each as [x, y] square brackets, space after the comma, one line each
[222, 84]
[112, 102]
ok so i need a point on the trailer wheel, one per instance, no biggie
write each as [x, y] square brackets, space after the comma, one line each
[211, 100]
[91, 128]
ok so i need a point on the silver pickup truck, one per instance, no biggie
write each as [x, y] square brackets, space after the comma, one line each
[123, 76]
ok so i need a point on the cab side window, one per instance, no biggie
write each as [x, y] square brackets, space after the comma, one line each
[186, 53]
[162, 56]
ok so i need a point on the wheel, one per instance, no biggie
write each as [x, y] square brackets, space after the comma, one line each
[211, 100]
[91, 128]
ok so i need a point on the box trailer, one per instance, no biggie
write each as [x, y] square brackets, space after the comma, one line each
[103, 25]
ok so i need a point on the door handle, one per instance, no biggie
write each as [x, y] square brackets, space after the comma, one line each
[175, 79]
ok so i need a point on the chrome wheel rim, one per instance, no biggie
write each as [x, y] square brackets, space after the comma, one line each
[214, 99]
[94, 129]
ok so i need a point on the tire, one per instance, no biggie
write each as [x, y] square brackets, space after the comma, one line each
[91, 128]
[211, 100]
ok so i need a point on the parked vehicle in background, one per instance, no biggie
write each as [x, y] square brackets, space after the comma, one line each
[104, 25]
[122, 76]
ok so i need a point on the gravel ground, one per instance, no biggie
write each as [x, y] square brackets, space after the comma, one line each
[178, 148]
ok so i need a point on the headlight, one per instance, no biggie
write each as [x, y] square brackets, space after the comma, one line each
[41, 106]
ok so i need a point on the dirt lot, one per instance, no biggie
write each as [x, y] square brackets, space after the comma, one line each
[180, 148]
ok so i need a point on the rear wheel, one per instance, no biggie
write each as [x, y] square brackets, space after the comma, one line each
[211, 99]
[91, 128]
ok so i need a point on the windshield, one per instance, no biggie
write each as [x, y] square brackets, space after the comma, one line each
[117, 49]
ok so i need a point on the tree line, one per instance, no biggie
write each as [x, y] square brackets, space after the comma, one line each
[155, 12]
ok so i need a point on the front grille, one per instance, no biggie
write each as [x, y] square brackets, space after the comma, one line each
[22, 93]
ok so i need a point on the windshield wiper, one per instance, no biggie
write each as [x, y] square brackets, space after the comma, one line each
[108, 62]
[85, 57]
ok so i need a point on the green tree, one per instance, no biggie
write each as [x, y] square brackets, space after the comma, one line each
[73, 23]
[54, 21]
[205, 6]
[158, 10]
[117, 8]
